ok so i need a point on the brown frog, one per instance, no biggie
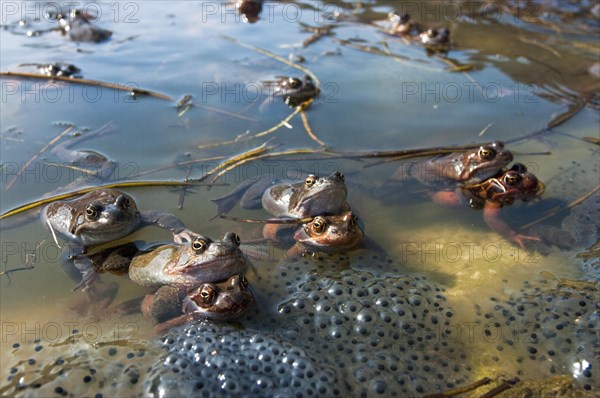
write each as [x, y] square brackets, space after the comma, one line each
[468, 167]
[187, 265]
[328, 234]
[403, 26]
[220, 301]
[494, 193]
[294, 91]
[99, 217]
[295, 199]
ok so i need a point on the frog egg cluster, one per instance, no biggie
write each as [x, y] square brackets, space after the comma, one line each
[382, 334]
[75, 367]
[555, 331]
[215, 361]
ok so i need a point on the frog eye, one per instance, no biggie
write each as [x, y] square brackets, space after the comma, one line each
[92, 212]
[206, 295]
[199, 245]
[294, 82]
[310, 180]
[244, 283]
[353, 221]
[319, 225]
[237, 240]
[511, 179]
[340, 176]
[486, 153]
[126, 203]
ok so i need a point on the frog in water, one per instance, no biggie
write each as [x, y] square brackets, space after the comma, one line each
[494, 193]
[201, 279]
[469, 167]
[99, 217]
[295, 91]
[296, 199]
[328, 234]
[402, 26]
[436, 38]
[219, 301]
[311, 197]
[78, 27]
[249, 9]
[60, 69]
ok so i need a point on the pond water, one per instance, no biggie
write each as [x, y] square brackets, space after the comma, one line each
[506, 312]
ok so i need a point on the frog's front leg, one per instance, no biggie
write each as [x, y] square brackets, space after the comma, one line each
[77, 265]
[491, 216]
[163, 305]
[279, 233]
[169, 222]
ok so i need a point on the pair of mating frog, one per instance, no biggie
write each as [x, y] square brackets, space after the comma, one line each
[433, 39]
[479, 178]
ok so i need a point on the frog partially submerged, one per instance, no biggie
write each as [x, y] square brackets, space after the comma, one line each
[99, 217]
[403, 26]
[494, 193]
[468, 167]
[60, 69]
[249, 9]
[327, 234]
[219, 301]
[296, 199]
[78, 27]
[294, 91]
[185, 266]
[204, 279]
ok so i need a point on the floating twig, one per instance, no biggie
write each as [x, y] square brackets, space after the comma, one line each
[180, 164]
[44, 149]
[234, 161]
[460, 390]
[276, 57]
[311, 134]
[245, 136]
[268, 221]
[568, 206]
[88, 82]
[126, 184]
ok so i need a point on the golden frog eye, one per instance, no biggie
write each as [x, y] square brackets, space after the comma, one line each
[92, 212]
[486, 153]
[511, 179]
[319, 225]
[206, 295]
[310, 180]
[199, 245]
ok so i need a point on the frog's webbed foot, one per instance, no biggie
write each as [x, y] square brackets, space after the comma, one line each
[522, 240]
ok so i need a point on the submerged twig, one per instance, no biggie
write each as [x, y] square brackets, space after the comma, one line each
[460, 390]
[126, 184]
[44, 149]
[28, 263]
[570, 205]
[508, 384]
[88, 82]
